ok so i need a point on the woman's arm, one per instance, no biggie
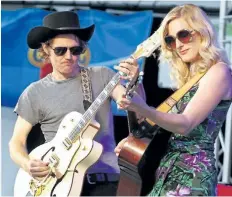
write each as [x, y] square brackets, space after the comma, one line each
[214, 86]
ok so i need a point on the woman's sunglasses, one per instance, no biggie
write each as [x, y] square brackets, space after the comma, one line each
[184, 36]
[60, 51]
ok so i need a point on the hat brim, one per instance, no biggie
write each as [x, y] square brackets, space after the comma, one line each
[38, 35]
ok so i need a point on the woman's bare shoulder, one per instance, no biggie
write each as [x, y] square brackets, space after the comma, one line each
[220, 74]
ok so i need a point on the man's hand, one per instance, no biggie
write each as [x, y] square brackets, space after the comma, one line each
[130, 68]
[37, 168]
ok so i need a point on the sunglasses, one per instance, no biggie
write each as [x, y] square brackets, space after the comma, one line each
[184, 36]
[60, 51]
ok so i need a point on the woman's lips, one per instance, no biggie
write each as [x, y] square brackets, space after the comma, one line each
[184, 52]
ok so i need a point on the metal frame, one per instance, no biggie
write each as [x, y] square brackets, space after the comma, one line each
[223, 146]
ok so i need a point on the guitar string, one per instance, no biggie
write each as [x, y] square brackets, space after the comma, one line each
[94, 107]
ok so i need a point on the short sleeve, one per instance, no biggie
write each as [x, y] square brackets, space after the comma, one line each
[28, 106]
[107, 74]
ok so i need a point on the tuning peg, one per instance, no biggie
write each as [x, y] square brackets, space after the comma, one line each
[140, 77]
[141, 73]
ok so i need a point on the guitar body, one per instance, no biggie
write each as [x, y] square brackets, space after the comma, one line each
[70, 161]
[138, 161]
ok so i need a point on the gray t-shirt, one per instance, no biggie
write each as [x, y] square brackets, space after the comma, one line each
[47, 102]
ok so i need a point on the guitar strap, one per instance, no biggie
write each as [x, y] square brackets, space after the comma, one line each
[166, 106]
[172, 100]
[86, 88]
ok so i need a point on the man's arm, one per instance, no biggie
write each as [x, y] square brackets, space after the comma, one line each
[17, 144]
[18, 150]
[140, 90]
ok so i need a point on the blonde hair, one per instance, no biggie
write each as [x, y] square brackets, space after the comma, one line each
[210, 51]
[42, 54]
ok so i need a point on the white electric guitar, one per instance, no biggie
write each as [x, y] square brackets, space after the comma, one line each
[73, 151]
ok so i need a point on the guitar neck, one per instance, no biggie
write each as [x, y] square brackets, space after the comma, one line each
[90, 113]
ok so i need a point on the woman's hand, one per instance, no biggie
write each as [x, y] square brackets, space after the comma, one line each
[136, 104]
[129, 67]
[118, 148]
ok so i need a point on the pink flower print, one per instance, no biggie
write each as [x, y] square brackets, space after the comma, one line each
[195, 160]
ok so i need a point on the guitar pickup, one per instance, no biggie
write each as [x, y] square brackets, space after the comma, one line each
[54, 160]
[67, 143]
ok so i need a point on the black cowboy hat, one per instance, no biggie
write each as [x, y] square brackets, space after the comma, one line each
[58, 23]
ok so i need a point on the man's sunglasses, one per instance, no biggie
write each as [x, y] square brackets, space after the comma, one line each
[184, 36]
[60, 51]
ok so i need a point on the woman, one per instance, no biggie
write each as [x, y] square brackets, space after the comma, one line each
[189, 44]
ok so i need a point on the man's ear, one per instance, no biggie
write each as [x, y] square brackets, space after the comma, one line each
[45, 48]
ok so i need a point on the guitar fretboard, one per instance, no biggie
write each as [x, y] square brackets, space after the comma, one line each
[89, 114]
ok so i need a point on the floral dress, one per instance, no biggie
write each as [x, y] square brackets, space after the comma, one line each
[188, 167]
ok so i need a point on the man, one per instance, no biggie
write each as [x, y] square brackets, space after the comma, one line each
[60, 41]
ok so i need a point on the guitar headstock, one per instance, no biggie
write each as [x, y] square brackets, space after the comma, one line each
[147, 47]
